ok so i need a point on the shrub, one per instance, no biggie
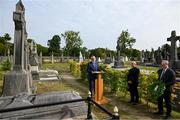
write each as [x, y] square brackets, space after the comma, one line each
[6, 65]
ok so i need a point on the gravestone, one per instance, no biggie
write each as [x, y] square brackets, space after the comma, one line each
[40, 59]
[16, 90]
[34, 61]
[119, 59]
[152, 56]
[142, 57]
[76, 110]
[158, 56]
[16, 81]
[80, 57]
[52, 58]
[174, 62]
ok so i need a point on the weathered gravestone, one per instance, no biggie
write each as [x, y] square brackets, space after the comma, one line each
[119, 59]
[16, 81]
[174, 62]
[80, 57]
[16, 88]
[34, 61]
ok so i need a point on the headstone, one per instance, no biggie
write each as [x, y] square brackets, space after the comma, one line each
[108, 60]
[119, 59]
[99, 60]
[16, 81]
[174, 62]
[40, 59]
[34, 61]
[52, 58]
[142, 56]
[62, 57]
[152, 56]
[159, 56]
[80, 57]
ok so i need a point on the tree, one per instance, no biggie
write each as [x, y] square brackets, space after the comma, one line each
[125, 41]
[5, 41]
[54, 45]
[73, 43]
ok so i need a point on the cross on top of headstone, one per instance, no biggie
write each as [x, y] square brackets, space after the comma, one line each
[173, 37]
[173, 40]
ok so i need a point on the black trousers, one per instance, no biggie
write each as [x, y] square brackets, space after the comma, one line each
[167, 97]
[92, 87]
[134, 93]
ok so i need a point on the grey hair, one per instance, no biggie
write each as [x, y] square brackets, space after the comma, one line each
[165, 62]
[133, 62]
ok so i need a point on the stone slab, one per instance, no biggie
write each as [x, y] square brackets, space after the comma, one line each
[64, 111]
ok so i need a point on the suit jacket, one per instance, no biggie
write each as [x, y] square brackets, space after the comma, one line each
[168, 78]
[90, 68]
[133, 75]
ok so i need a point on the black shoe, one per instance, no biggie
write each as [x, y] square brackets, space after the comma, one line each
[130, 102]
[134, 103]
[158, 113]
[167, 117]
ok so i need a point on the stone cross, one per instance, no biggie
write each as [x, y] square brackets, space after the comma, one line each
[18, 17]
[173, 40]
[17, 81]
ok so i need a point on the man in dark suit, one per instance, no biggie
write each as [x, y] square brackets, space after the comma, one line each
[132, 80]
[92, 66]
[166, 75]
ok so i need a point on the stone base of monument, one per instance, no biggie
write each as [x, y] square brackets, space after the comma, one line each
[118, 64]
[49, 75]
[77, 110]
[35, 72]
[16, 82]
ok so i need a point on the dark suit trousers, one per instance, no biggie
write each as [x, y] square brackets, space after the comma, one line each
[167, 97]
[92, 87]
[134, 93]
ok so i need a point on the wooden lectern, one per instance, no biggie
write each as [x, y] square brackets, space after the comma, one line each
[99, 88]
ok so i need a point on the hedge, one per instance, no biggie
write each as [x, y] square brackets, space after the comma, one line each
[116, 80]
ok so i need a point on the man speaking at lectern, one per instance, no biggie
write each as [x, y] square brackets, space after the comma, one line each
[92, 66]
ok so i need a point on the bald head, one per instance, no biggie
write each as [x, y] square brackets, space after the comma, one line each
[93, 58]
[164, 64]
[133, 64]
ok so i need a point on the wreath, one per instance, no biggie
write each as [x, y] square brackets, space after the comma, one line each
[156, 90]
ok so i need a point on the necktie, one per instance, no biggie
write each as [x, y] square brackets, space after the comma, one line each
[162, 74]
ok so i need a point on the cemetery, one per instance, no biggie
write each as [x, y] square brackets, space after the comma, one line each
[38, 82]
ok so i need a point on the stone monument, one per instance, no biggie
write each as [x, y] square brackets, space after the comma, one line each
[174, 62]
[16, 88]
[16, 81]
[33, 59]
[119, 59]
[80, 57]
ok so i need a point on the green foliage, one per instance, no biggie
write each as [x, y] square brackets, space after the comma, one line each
[83, 67]
[74, 68]
[155, 90]
[42, 49]
[124, 42]
[116, 80]
[73, 43]
[102, 52]
[2, 49]
[54, 45]
[6, 65]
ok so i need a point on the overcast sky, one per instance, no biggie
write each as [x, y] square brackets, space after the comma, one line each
[100, 22]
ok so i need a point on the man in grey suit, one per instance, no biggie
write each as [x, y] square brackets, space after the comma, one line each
[167, 76]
